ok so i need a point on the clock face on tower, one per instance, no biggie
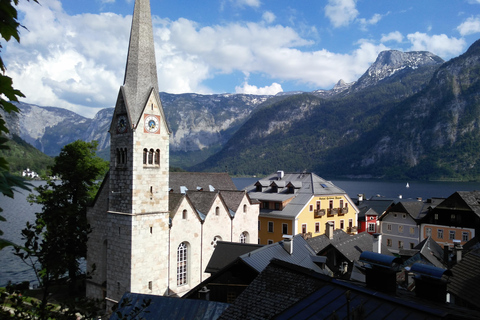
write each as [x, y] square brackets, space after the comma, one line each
[121, 124]
[151, 124]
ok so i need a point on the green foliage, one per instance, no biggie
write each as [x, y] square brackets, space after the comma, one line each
[58, 238]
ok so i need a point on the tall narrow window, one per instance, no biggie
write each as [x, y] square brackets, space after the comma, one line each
[145, 155]
[117, 156]
[157, 157]
[341, 203]
[150, 156]
[182, 264]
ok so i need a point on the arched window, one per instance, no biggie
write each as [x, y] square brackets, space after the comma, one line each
[184, 214]
[145, 153]
[182, 264]
[243, 237]
[157, 157]
[244, 208]
[217, 211]
[150, 157]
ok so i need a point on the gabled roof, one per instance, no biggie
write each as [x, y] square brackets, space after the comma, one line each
[428, 251]
[301, 256]
[307, 185]
[379, 206]
[462, 200]
[415, 209]
[285, 291]
[233, 199]
[465, 282]
[170, 308]
[193, 180]
[350, 246]
[226, 252]
[202, 201]
[274, 290]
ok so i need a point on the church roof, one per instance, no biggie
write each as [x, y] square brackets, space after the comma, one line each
[202, 201]
[232, 198]
[141, 70]
[203, 180]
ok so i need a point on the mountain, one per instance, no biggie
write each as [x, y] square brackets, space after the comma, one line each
[409, 116]
[199, 124]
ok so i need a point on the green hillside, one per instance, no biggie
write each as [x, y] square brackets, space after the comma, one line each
[22, 156]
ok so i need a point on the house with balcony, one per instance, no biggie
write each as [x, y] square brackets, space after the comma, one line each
[300, 203]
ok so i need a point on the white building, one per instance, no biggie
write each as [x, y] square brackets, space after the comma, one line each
[150, 235]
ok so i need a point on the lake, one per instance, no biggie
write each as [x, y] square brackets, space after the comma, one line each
[18, 211]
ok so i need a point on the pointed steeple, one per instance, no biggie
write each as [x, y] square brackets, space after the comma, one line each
[141, 69]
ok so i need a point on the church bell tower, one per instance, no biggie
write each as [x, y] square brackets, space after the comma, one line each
[137, 242]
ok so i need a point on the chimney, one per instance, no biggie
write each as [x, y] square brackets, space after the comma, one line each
[380, 271]
[204, 294]
[280, 174]
[377, 242]
[446, 255]
[360, 198]
[329, 230]
[457, 247]
[288, 243]
[431, 282]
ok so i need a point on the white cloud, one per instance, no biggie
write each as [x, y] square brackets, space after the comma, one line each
[251, 89]
[268, 17]
[392, 36]
[440, 45]
[364, 23]
[470, 26]
[78, 62]
[249, 3]
[341, 12]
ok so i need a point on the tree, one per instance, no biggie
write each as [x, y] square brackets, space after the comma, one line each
[58, 239]
[8, 28]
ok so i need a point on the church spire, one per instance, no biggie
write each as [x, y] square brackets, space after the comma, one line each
[141, 70]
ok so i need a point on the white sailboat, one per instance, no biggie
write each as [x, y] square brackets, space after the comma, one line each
[407, 186]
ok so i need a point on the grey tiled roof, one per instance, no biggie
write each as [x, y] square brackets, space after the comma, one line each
[350, 246]
[285, 291]
[302, 252]
[193, 180]
[168, 308]
[232, 198]
[465, 282]
[274, 290]
[202, 201]
[227, 252]
[308, 185]
[472, 199]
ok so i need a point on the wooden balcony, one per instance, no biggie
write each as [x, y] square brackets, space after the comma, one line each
[318, 213]
[332, 212]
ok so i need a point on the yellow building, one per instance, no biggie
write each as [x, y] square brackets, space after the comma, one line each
[300, 203]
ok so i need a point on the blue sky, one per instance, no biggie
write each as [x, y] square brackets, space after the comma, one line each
[73, 54]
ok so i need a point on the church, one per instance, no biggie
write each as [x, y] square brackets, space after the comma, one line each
[154, 231]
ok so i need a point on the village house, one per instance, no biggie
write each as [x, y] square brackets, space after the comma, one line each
[455, 218]
[300, 203]
[153, 231]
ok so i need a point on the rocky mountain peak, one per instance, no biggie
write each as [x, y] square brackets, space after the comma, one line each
[391, 62]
